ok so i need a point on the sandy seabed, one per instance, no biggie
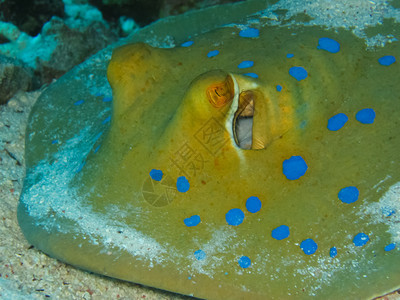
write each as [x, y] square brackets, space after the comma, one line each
[25, 272]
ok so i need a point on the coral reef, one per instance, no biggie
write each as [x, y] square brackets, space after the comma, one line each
[29, 15]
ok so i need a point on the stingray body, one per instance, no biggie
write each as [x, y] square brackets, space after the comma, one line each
[251, 162]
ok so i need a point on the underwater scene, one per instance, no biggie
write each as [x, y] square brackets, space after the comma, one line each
[245, 150]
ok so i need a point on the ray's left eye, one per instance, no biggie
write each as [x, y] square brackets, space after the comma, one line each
[222, 93]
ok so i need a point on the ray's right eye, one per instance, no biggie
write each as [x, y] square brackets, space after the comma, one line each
[221, 93]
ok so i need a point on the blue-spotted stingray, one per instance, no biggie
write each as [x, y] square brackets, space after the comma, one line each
[250, 161]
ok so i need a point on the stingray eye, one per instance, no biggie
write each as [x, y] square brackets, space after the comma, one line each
[221, 93]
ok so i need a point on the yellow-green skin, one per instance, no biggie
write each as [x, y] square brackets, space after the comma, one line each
[161, 108]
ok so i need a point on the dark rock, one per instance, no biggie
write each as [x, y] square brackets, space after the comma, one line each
[175, 7]
[30, 15]
[142, 11]
[73, 47]
[3, 39]
[14, 76]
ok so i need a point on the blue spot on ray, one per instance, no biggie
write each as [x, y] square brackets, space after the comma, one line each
[249, 33]
[309, 246]
[192, 221]
[348, 194]
[337, 121]
[298, 72]
[328, 44]
[187, 44]
[98, 136]
[81, 167]
[333, 252]
[244, 262]
[366, 116]
[390, 247]
[281, 232]
[279, 88]
[182, 184]
[294, 167]
[289, 55]
[388, 211]
[234, 217]
[387, 60]
[246, 64]
[54, 142]
[253, 204]
[254, 75]
[106, 120]
[200, 254]
[360, 239]
[156, 174]
[79, 102]
[213, 53]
